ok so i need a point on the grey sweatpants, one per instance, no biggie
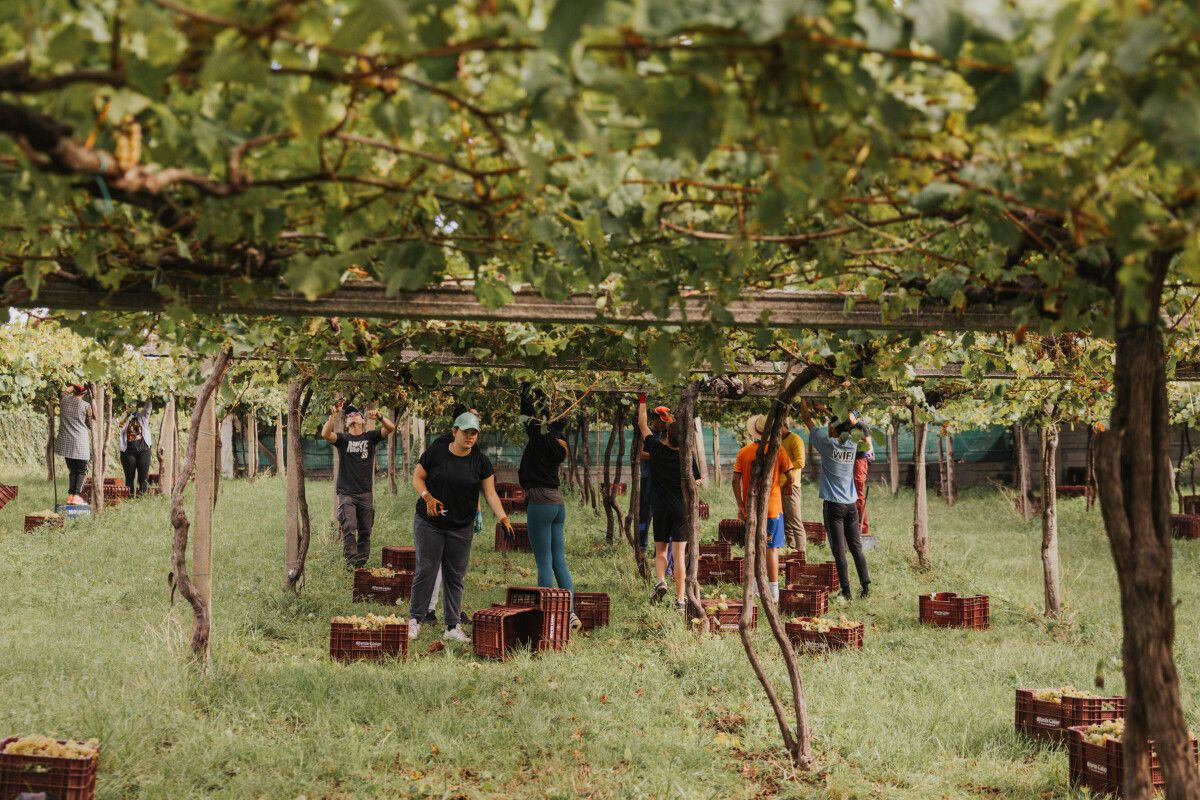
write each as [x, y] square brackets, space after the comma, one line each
[449, 551]
[356, 517]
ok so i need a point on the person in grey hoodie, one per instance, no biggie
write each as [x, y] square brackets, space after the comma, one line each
[73, 442]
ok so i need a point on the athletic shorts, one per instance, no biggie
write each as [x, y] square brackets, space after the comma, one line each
[669, 525]
[776, 538]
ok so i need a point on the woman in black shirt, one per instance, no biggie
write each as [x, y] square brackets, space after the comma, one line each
[547, 512]
[448, 479]
[670, 530]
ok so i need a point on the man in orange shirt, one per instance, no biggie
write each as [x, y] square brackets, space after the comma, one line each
[781, 482]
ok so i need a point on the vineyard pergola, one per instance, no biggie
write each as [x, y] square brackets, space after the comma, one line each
[696, 183]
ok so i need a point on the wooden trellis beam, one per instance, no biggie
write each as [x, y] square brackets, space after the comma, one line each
[777, 309]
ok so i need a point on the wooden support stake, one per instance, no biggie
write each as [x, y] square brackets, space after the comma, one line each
[205, 502]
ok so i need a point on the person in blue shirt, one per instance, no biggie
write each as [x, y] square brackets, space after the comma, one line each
[837, 449]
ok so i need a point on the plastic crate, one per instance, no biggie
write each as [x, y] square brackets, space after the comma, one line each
[510, 491]
[804, 601]
[1185, 526]
[840, 637]
[717, 549]
[1071, 490]
[35, 521]
[554, 607]
[703, 510]
[1101, 768]
[1076, 475]
[592, 608]
[401, 559]
[512, 505]
[791, 558]
[732, 531]
[369, 588]
[1044, 719]
[520, 534]
[620, 489]
[497, 631]
[948, 610]
[7, 494]
[728, 620]
[823, 575]
[815, 532]
[347, 643]
[721, 570]
[1191, 504]
[58, 778]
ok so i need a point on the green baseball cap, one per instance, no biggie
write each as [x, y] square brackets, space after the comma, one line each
[466, 421]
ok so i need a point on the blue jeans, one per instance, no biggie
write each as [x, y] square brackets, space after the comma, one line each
[546, 538]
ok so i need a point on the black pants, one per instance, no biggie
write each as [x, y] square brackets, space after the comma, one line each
[134, 461]
[645, 513]
[77, 470]
[841, 525]
[356, 516]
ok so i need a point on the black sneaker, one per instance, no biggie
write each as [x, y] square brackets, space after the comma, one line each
[463, 619]
[430, 617]
[866, 592]
[847, 596]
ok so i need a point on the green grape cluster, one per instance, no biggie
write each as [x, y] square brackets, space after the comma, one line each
[48, 513]
[383, 572]
[821, 624]
[1056, 695]
[46, 746]
[721, 604]
[371, 622]
[1100, 732]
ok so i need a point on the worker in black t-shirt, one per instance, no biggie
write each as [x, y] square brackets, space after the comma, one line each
[445, 439]
[355, 498]
[670, 529]
[448, 479]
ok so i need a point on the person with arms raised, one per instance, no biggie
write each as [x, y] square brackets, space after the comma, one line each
[355, 486]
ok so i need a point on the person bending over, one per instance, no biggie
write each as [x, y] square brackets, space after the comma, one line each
[670, 528]
[354, 494]
[546, 509]
[448, 479]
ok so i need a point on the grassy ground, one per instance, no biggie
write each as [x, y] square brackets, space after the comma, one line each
[89, 647]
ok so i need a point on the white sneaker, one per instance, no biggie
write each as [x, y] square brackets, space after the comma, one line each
[414, 629]
[456, 635]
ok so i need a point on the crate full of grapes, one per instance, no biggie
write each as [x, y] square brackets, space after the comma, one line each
[804, 601]
[368, 638]
[39, 518]
[382, 585]
[1048, 713]
[724, 614]
[819, 634]
[1095, 757]
[39, 766]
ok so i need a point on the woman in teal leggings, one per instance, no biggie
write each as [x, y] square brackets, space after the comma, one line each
[546, 510]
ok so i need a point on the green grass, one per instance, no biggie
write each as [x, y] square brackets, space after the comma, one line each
[89, 647]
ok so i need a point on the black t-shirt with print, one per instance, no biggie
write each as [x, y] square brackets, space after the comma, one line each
[664, 474]
[356, 462]
[456, 481]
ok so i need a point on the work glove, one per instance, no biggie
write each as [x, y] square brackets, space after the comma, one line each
[433, 506]
[510, 536]
[478, 521]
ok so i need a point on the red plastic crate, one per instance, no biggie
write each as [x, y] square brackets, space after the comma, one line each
[727, 621]
[58, 778]
[497, 631]
[849, 636]
[720, 570]
[1191, 504]
[1044, 719]
[1100, 767]
[1071, 490]
[948, 610]
[791, 558]
[1185, 526]
[389, 591]
[814, 576]
[592, 608]
[512, 505]
[703, 510]
[732, 531]
[554, 606]
[815, 532]
[510, 491]
[804, 601]
[35, 521]
[7, 494]
[401, 559]
[347, 643]
[717, 549]
[520, 533]
[620, 489]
